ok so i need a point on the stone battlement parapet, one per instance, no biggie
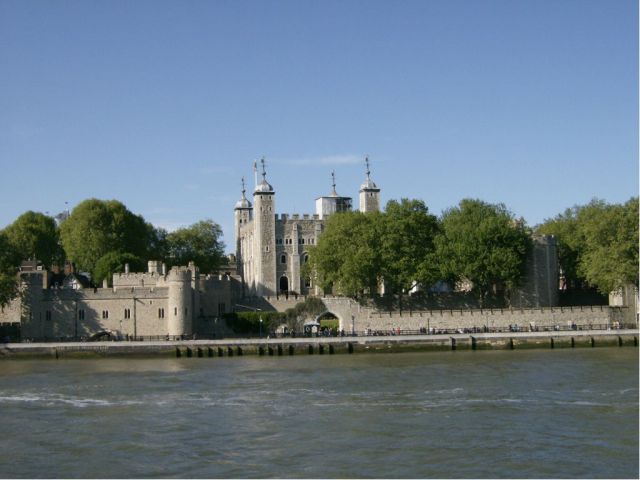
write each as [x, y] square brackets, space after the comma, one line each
[179, 274]
[284, 217]
[104, 294]
[136, 279]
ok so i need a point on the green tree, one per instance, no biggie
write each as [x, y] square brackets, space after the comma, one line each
[113, 262]
[597, 244]
[9, 262]
[97, 227]
[483, 243]
[346, 257]
[157, 243]
[609, 234]
[407, 245]
[35, 235]
[199, 243]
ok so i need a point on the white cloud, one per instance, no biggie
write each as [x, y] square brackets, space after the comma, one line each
[344, 159]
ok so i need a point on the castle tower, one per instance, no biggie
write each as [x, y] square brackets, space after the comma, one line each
[333, 203]
[243, 213]
[180, 305]
[264, 237]
[369, 194]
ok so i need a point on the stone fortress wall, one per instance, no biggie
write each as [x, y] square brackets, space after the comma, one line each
[270, 252]
[354, 317]
[142, 304]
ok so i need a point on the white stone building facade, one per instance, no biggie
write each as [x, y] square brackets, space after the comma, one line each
[271, 248]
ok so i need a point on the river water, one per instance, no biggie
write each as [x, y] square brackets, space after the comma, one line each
[508, 414]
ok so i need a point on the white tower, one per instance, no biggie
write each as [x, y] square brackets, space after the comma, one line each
[264, 237]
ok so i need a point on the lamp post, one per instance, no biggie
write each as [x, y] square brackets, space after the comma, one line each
[260, 326]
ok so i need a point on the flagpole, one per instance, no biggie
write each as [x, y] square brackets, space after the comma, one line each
[255, 174]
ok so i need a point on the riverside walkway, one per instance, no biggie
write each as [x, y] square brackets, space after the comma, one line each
[324, 345]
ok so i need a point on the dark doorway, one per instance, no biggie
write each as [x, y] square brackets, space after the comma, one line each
[284, 285]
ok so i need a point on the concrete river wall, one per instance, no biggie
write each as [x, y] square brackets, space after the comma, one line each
[324, 345]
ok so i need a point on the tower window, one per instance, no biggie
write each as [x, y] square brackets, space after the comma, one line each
[283, 259]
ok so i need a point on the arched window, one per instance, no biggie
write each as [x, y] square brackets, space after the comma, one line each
[283, 258]
[305, 258]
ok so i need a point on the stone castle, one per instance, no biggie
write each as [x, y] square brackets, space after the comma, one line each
[270, 251]
[271, 248]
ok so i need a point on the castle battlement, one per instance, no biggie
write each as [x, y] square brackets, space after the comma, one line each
[296, 216]
[136, 279]
[179, 274]
[89, 294]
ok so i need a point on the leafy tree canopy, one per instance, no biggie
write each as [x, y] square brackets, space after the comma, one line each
[598, 244]
[358, 250]
[347, 255]
[9, 262]
[114, 262]
[35, 235]
[483, 243]
[407, 244]
[97, 227]
[199, 243]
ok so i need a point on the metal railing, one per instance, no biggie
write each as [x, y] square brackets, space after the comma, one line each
[363, 333]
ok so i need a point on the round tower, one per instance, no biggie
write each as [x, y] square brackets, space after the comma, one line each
[179, 304]
[243, 213]
[369, 193]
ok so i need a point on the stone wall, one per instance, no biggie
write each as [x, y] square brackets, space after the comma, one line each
[355, 317]
[490, 318]
[81, 313]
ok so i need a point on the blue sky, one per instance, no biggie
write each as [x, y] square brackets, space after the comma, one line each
[164, 105]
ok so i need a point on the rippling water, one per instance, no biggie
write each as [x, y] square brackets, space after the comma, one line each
[541, 413]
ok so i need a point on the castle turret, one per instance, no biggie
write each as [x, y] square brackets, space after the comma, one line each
[180, 304]
[264, 236]
[369, 194]
[333, 203]
[243, 213]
